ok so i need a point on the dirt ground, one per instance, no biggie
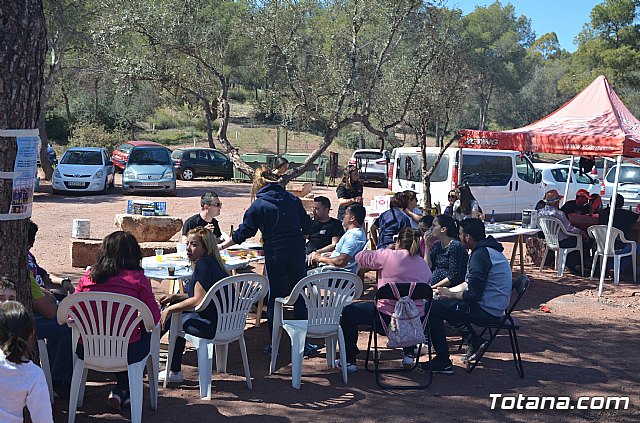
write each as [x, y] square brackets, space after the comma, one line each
[583, 347]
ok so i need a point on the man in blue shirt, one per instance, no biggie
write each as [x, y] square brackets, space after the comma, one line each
[352, 242]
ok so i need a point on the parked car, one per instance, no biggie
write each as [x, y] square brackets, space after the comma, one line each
[121, 154]
[190, 163]
[84, 169]
[598, 170]
[372, 164]
[149, 169]
[554, 176]
[501, 180]
[628, 185]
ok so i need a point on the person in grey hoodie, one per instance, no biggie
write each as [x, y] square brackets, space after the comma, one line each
[481, 299]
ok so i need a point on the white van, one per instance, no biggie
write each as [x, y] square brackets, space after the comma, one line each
[501, 180]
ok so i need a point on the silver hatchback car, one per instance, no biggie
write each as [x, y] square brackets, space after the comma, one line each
[149, 169]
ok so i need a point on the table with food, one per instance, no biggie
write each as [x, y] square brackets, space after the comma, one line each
[177, 268]
[511, 233]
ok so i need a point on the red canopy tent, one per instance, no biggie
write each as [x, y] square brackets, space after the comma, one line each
[594, 123]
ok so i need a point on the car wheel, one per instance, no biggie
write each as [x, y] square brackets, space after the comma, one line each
[105, 188]
[187, 174]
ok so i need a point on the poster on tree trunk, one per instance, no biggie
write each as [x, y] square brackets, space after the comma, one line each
[24, 173]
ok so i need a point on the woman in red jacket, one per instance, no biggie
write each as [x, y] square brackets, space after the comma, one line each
[117, 270]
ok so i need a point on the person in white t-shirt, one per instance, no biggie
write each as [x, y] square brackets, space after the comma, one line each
[24, 382]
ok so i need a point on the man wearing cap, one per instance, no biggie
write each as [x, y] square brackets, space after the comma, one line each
[552, 202]
[580, 205]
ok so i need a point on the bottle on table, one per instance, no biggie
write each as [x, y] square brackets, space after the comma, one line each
[492, 219]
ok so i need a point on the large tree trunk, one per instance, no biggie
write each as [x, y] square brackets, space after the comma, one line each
[22, 53]
[208, 115]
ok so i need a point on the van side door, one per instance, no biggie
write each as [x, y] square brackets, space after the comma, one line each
[490, 177]
[527, 191]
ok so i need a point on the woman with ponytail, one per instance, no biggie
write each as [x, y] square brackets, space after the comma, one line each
[283, 222]
[402, 264]
[23, 382]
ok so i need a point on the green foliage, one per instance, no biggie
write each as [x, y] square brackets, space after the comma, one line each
[240, 94]
[57, 128]
[96, 136]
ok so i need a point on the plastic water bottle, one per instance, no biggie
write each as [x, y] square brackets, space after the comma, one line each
[492, 219]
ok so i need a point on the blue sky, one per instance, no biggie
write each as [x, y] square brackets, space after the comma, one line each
[564, 17]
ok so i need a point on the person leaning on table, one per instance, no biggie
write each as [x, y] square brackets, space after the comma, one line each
[283, 222]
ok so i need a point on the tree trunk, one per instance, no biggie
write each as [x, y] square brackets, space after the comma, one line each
[44, 142]
[22, 54]
[208, 116]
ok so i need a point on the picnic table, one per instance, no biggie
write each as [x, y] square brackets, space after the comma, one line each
[511, 233]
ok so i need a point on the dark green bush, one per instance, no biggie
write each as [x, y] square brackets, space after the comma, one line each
[96, 136]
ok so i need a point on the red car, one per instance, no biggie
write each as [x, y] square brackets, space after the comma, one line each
[121, 154]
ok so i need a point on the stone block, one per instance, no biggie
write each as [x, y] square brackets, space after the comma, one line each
[299, 189]
[149, 228]
[85, 251]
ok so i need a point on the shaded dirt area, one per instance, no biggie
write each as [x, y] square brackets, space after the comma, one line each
[582, 347]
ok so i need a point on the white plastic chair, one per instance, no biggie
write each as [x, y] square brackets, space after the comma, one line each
[325, 294]
[599, 233]
[552, 227]
[324, 269]
[105, 322]
[44, 364]
[233, 297]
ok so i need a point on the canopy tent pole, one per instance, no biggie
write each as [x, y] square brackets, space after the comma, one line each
[612, 208]
[569, 175]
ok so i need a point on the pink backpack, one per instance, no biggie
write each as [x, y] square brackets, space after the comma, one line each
[405, 328]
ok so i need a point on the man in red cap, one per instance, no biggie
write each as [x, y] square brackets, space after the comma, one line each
[552, 202]
[580, 205]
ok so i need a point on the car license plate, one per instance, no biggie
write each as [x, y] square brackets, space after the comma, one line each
[149, 184]
[629, 194]
[75, 184]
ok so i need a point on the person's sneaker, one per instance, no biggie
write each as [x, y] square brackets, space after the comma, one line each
[408, 361]
[351, 367]
[310, 349]
[173, 376]
[126, 398]
[115, 400]
[436, 365]
[474, 352]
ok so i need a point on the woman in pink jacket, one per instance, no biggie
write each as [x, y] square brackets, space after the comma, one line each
[400, 264]
[117, 270]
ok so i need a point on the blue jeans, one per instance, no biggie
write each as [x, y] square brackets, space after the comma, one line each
[58, 345]
[194, 325]
[456, 312]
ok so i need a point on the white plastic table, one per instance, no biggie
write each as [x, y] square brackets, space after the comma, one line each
[153, 269]
[516, 236]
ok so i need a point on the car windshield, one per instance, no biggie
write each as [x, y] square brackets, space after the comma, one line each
[150, 156]
[628, 175]
[368, 155]
[82, 158]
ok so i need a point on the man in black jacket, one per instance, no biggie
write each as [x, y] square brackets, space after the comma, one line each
[481, 298]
